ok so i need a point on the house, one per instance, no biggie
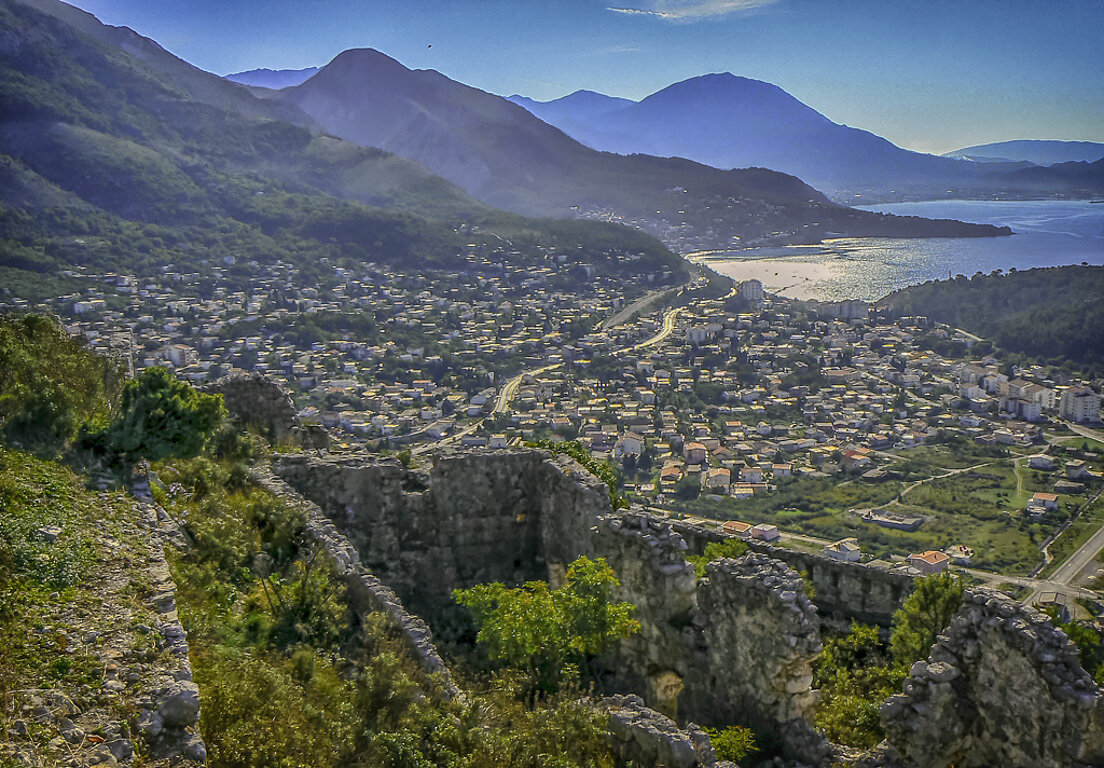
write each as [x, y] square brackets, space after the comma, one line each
[737, 528]
[929, 562]
[670, 474]
[1076, 469]
[695, 453]
[854, 460]
[765, 532]
[751, 475]
[845, 549]
[630, 444]
[782, 470]
[1044, 500]
[717, 479]
[1041, 462]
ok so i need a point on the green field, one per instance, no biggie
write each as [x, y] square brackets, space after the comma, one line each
[981, 507]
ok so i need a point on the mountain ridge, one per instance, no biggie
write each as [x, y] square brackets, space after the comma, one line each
[502, 154]
[1038, 151]
[730, 121]
[275, 79]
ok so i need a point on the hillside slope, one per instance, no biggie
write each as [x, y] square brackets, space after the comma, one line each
[109, 160]
[1053, 315]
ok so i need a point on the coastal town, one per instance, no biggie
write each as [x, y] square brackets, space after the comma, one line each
[831, 425]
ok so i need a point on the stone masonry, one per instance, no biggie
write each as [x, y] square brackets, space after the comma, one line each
[843, 590]
[1002, 687]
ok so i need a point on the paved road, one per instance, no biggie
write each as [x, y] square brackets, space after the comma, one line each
[510, 390]
[628, 311]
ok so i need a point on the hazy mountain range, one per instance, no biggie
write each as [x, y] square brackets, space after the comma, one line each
[1039, 152]
[735, 122]
[103, 130]
[272, 78]
[505, 156]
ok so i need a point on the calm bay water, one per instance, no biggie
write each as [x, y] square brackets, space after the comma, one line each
[1048, 233]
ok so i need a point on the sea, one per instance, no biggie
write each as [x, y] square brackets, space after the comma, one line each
[1048, 233]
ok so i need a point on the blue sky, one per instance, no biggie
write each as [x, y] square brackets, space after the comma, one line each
[932, 75]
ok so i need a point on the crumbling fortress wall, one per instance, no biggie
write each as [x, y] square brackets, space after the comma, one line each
[733, 647]
[256, 400]
[509, 516]
[1002, 686]
[842, 590]
[518, 515]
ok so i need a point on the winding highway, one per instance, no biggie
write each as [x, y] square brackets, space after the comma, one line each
[510, 389]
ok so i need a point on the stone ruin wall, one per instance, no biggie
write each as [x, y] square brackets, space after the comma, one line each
[518, 516]
[843, 591]
[735, 646]
[256, 400]
[1002, 687]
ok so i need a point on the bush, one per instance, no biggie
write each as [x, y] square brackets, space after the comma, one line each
[734, 743]
[715, 550]
[924, 614]
[546, 632]
[50, 384]
[163, 417]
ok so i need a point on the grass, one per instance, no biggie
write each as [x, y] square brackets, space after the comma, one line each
[1087, 523]
[53, 594]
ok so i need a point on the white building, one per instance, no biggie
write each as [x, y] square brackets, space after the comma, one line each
[845, 549]
[1081, 405]
[751, 290]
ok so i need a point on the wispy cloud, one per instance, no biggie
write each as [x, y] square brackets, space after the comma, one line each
[690, 10]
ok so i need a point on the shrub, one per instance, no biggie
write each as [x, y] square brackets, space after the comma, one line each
[163, 417]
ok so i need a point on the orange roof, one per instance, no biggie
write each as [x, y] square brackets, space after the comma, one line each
[736, 526]
[931, 557]
[1046, 496]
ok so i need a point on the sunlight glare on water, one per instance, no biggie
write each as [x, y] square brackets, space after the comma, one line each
[1048, 233]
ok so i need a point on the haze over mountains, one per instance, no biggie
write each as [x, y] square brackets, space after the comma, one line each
[734, 122]
[272, 78]
[1037, 151]
[503, 155]
[99, 123]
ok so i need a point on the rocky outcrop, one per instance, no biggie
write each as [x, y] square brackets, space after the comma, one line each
[649, 739]
[1002, 687]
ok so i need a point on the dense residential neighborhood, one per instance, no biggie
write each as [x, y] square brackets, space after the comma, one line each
[720, 405]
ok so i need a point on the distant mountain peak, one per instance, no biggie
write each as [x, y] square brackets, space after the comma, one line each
[275, 79]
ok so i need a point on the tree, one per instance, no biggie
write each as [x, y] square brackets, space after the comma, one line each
[163, 417]
[550, 632]
[924, 614]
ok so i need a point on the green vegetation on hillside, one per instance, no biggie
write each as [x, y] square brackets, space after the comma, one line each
[856, 672]
[1051, 315]
[288, 675]
[50, 385]
[551, 634]
[108, 162]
